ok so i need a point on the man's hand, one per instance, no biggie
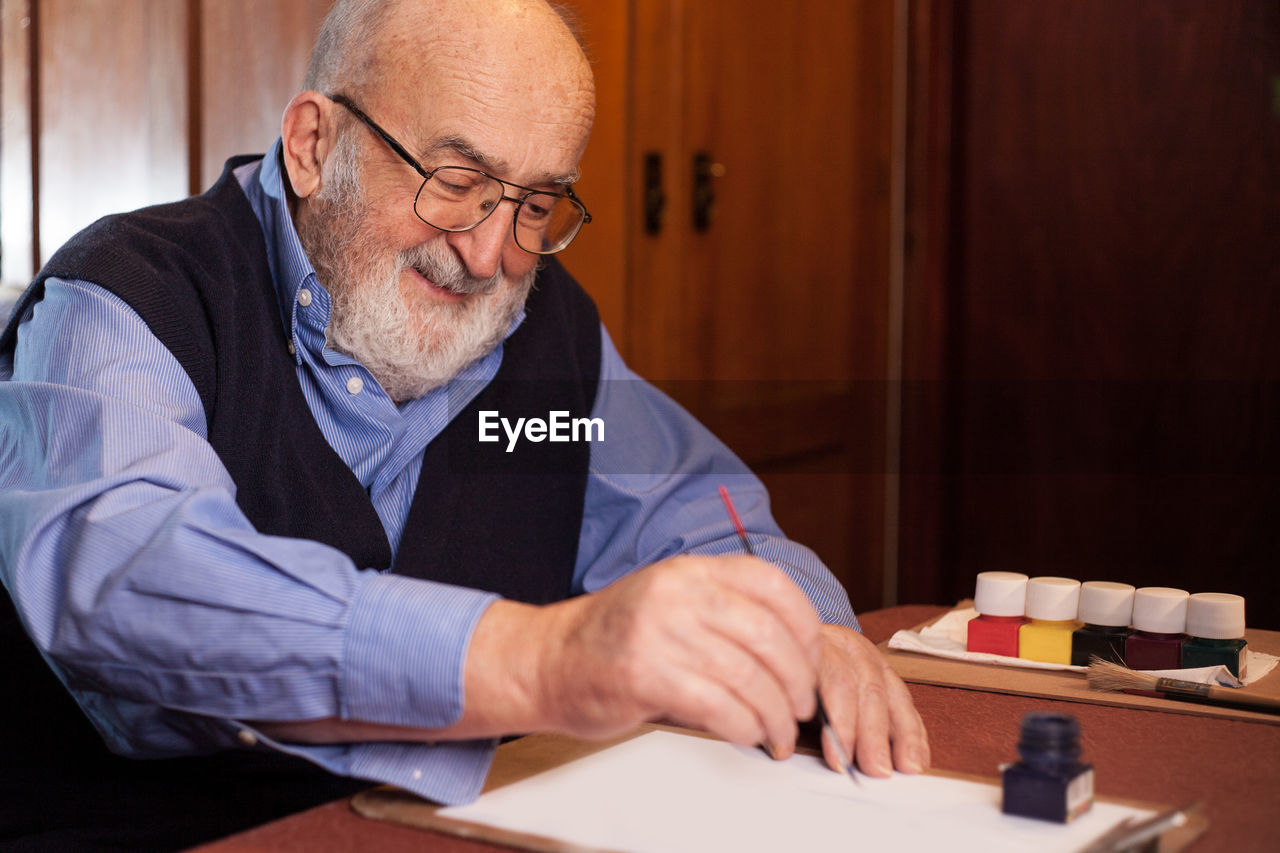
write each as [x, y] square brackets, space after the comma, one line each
[870, 708]
[729, 645]
[726, 644]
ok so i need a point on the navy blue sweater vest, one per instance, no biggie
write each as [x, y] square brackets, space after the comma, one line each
[197, 273]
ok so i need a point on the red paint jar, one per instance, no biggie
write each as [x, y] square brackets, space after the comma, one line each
[1000, 599]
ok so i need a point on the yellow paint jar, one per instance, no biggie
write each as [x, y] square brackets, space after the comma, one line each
[1052, 605]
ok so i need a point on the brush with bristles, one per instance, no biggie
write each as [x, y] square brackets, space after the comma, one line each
[1105, 675]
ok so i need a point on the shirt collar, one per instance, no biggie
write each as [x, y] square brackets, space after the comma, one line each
[290, 267]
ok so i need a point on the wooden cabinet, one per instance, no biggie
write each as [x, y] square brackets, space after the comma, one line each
[761, 299]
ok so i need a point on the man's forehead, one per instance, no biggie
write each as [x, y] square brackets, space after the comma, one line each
[501, 83]
[494, 164]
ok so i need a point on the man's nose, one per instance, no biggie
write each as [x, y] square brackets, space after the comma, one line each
[481, 248]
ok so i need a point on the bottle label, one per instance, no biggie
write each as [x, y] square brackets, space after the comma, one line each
[1080, 794]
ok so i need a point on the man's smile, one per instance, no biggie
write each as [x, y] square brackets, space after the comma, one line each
[435, 290]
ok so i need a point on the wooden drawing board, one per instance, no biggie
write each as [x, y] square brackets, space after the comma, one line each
[527, 757]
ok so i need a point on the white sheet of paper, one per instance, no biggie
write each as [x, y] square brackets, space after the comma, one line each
[664, 792]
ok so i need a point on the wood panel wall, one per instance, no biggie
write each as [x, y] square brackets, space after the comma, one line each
[250, 58]
[115, 104]
[1094, 283]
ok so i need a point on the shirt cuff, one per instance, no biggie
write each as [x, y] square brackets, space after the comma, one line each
[448, 772]
[405, 650]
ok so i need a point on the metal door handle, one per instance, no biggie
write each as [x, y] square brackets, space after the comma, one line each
[655, 198]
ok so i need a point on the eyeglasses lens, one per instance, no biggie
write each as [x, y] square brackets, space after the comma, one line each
[457, 199]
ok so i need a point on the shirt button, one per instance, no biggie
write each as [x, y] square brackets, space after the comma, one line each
[355, 385]
[292, 349]
[247, 737]
[304, 297]
[417, 774]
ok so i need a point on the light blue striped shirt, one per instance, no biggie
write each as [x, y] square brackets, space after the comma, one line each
[172, 620]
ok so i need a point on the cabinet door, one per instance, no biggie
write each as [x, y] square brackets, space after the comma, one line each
[762, 301]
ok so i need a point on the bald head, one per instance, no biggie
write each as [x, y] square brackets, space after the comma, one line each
[508, 65]
[345, 55]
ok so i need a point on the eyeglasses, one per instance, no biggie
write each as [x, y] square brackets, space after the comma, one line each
[458, 198]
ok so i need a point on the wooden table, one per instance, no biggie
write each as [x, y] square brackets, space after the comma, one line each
[1232, 765]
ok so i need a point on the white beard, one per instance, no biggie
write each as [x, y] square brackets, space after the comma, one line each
[410, 341]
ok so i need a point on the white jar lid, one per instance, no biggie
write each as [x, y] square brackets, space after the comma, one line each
[1000, 593]
[1106, 603]
[1160, 609]
[1053, 599]
[1215, 616]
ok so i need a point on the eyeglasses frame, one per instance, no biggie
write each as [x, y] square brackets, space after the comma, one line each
[426, 175]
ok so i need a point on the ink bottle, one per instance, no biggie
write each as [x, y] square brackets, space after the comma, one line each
[1106, 610]
[1159, 618]
[1215, 621]
[999, 598]
[1052, 604]
[1050, 782]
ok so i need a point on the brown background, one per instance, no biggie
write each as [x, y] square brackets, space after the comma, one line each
[1093, 283]
[1054, 220]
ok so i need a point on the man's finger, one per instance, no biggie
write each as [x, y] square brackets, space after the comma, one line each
[740, 672]
[910, 740]
[702, 703]
[760, 632]
[857, 697]
[871, 743]
[835, 747]
[772, 588]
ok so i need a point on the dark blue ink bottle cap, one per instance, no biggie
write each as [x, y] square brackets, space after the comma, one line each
[1049, 739]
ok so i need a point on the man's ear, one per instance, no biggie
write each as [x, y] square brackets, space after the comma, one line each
[307, 134]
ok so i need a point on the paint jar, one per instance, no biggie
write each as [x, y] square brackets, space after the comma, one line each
[1215, 621]
[1106, 608]
[1052, 604]
[999, 598]
[1159, 618]
[1050, 782]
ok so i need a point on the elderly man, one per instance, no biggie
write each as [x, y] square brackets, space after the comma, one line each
[250, 522]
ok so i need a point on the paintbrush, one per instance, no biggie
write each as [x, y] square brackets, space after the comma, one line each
[824, 720]
[1133, 834]
[1106, 675]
